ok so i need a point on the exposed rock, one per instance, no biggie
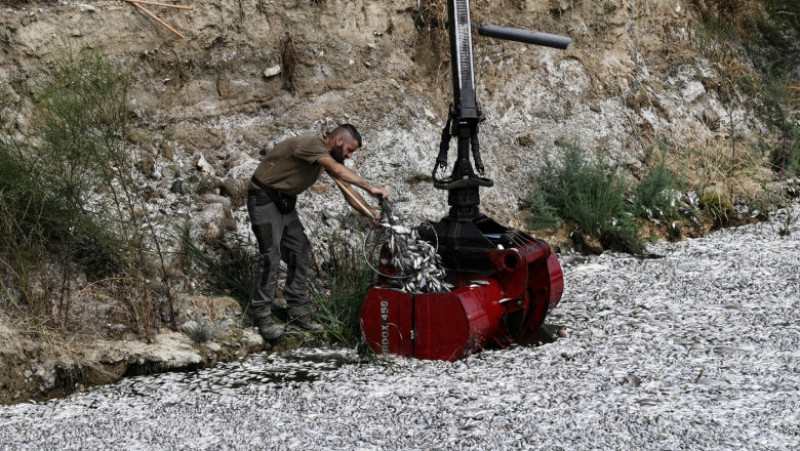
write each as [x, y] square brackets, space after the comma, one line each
[166, 151]
[272, 71]
[693, 91]
[199, 138]
[31, 369]
[237, 181]
[233, 89]
[212, 219]
[146, 164]
[204, 308]
[204, 165]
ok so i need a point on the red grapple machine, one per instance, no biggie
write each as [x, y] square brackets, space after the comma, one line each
[505, 280]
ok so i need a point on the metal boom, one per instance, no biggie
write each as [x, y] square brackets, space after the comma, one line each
[465, 226]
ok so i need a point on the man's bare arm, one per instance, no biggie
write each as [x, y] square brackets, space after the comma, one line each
[356, 201]
[343, 173]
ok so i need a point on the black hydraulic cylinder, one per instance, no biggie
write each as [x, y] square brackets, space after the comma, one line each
[520, 35]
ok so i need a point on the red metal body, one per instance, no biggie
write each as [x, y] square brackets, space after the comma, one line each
[493, 309]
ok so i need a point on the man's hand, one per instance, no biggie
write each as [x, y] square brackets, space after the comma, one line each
[378, 192]
[376, 218]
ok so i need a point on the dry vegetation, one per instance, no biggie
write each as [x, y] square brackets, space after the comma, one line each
[62, 247]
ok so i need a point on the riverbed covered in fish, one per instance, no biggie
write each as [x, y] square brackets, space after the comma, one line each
[697, 349]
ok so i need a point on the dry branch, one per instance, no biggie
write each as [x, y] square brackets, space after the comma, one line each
[165, 5]
[153, 16]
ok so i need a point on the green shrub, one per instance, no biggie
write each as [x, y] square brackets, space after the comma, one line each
[783, 103]
[23, 266]
[657, 195]
[730, 10]
[785, 156]
[50, 171]
[541, 214]
[774, 45]
[774, 49]
[591, 194]
[73, 149]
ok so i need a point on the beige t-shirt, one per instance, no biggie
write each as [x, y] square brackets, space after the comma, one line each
[291, 166]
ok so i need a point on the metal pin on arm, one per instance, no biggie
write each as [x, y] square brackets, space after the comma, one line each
[526, 36]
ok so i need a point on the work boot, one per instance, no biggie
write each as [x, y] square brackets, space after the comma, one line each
[303, 321]
[268, 328]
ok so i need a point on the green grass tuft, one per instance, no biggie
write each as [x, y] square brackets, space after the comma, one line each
[657, 195]
[718, 206]
[340, 293]
[201, 332]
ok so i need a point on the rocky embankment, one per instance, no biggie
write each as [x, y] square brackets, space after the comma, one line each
[42, 367]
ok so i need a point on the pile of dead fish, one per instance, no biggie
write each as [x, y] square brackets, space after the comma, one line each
[419, 267]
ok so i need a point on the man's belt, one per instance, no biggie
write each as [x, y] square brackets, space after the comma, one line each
[284, 202]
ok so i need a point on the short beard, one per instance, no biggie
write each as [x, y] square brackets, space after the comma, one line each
[337, 155]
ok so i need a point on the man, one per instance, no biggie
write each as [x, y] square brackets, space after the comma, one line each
[288, 170]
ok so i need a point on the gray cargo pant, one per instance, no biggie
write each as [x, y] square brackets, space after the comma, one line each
[280, 237]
